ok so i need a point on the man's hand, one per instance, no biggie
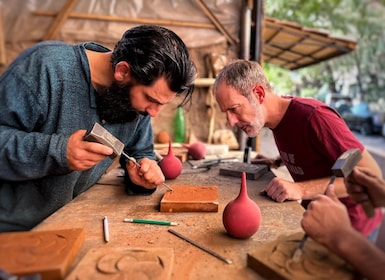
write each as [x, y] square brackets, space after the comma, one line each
[365, 187]
[326, 219]
[270, 162]
[82, 155]
[148, 175]
[281, 190]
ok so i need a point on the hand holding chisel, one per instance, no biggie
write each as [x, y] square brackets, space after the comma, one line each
[100, 135]
[341, 168]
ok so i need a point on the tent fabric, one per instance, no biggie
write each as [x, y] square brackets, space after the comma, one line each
[286, 44]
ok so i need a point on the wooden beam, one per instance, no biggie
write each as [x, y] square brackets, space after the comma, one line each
[216, 22]
[61, 17]
[258, 10]
[128, 19]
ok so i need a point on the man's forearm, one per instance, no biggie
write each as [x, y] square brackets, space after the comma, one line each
[312, 188]
[362, 254]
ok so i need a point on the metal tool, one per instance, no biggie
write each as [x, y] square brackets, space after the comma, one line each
[298, 251]
[101, 135]
[247, 155]
[346, 162]
[211, 252]
[343, 166]
[208, 164]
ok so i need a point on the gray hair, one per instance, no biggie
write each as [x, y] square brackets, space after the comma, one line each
[243, 76]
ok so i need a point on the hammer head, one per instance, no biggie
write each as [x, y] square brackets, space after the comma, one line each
[346, 162]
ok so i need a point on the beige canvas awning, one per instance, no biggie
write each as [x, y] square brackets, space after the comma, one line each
[292, 46]
[286, 44]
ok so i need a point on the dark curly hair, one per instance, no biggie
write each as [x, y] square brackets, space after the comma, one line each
[152, 52]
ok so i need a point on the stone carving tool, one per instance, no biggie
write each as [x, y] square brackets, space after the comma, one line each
[100, 135]
[342, 168]
[196, 244]
[208, 164]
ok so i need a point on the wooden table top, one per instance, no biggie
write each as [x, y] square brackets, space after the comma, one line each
[107, 198]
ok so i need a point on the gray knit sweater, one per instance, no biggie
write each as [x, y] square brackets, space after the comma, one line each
[45, 95]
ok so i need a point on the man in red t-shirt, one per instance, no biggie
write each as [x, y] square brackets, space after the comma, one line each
[309, 135]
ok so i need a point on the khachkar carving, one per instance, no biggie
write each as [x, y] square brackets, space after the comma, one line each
[45, 253]
[118, 263]
[274, 260]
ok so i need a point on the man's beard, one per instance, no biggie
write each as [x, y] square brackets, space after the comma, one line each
[258, 122]
[114, 104]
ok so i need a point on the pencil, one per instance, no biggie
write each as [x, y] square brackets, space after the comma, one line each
[105, 229]
[153, 222]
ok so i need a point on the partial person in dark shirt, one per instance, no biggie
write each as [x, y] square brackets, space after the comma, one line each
[54, 91]
[309, 135]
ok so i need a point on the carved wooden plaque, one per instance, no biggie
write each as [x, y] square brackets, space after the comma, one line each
[125, 263]
[47, 253]
[274, 261]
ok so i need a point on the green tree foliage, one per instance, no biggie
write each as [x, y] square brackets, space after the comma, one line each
[361, 20]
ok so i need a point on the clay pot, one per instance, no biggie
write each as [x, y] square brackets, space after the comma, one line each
[163, 137]
[196, 150]
[242, 216]
[171, 165]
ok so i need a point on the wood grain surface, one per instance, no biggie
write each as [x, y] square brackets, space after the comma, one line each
[46, 253]
[190, 199]
[124, 263]
[274, 261]
[110, 199]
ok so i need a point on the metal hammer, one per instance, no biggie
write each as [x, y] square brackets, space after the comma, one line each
[344, 165]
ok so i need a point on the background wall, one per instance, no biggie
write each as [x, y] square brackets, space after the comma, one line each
[26, 22]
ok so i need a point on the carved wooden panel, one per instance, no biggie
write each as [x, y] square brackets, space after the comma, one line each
[125, 263]
[47, 253]
[274, 261]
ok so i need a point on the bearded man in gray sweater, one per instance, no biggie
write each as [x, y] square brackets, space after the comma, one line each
[54, 91]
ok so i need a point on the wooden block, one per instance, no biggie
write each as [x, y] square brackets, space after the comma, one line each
[179, 152]
[125, 263]
[274, 261]
[235, 169]
[190, 199]
[47, 253]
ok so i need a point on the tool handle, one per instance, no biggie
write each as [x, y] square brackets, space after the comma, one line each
[368, 208]
[299, 250]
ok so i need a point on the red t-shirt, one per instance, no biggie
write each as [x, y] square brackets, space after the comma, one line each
[310, 138]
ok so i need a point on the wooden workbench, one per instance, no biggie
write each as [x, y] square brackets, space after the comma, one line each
[109, 199]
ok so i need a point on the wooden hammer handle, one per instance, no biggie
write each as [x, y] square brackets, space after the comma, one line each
[344, 166]
[368, 208]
